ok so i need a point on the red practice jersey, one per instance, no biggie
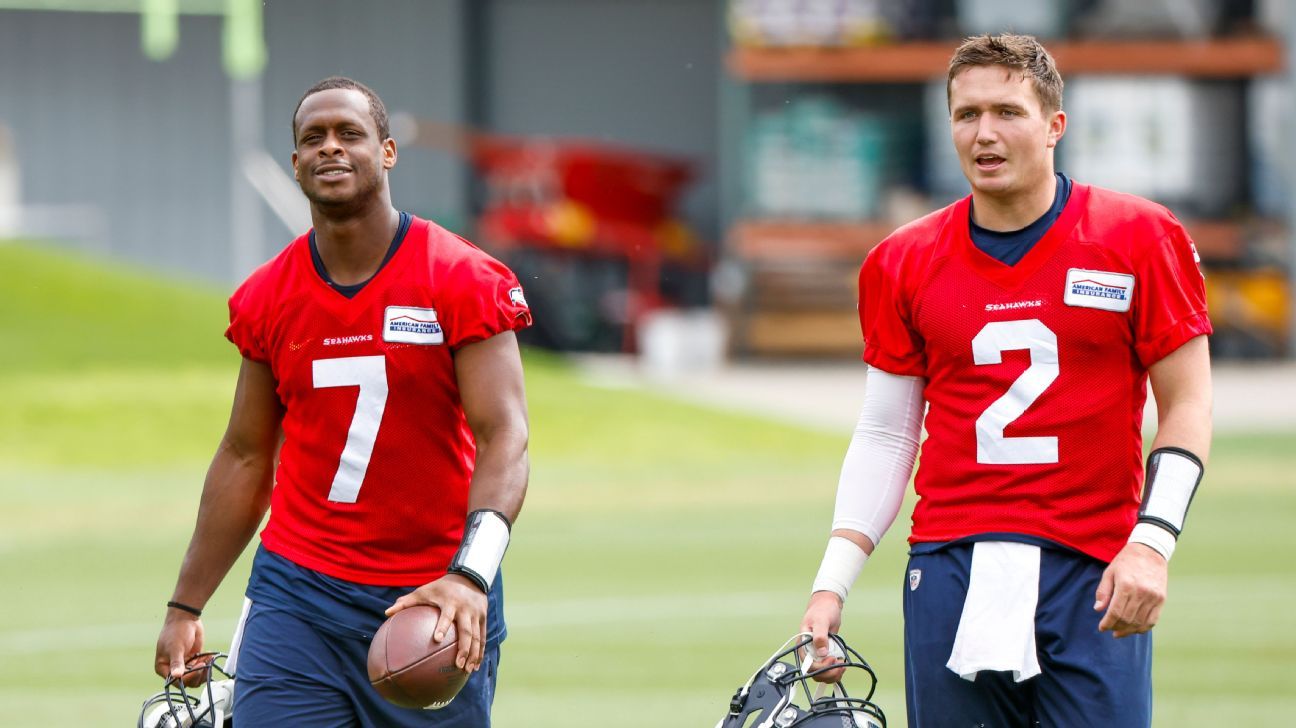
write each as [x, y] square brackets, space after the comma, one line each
[373, 476]
[1036, 374]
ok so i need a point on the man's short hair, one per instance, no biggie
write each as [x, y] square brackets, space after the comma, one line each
[1021, 53]
[377, 109]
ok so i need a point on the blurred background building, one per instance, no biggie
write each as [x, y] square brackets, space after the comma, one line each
[664, 174]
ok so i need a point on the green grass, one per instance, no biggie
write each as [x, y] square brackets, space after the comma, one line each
[665, 549]
[68, 313]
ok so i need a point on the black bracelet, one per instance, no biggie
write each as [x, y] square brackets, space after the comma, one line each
[185, 608]
[470, 575]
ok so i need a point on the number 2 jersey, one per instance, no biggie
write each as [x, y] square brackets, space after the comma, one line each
[373, 475]
[1036, 373]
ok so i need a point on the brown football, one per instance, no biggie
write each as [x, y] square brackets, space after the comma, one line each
[410, 670]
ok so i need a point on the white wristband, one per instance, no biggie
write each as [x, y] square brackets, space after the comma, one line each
[842, 562]
[486, 537]
[1154, 537]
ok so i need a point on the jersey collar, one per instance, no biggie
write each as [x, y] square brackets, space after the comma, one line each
[1013, 276]
[335, 299]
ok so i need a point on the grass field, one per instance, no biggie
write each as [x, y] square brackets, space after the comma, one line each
[665, 549]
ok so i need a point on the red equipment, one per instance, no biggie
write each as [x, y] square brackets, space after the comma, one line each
[582, 197]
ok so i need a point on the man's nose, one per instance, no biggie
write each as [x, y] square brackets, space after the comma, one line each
[986, 130]
[332, 145]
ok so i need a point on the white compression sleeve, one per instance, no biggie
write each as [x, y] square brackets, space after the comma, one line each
[880, 459]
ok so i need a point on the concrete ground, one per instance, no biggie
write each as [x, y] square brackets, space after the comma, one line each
[827, 395]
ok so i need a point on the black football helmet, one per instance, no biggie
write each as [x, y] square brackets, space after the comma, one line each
[779, 694]
[208, 705]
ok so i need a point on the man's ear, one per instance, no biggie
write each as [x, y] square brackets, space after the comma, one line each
[389, 153]
[1056, 128]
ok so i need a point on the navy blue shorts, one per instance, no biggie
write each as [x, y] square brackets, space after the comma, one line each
[1088, 677]
[291, 674]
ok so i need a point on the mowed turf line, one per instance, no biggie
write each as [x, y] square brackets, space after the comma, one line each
[664, 550]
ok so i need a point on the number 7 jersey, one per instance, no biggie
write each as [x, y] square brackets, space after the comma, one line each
[1036, 374]
[374, 469]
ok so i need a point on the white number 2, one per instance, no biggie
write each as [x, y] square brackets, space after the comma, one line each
[987, 348]
[370, 374]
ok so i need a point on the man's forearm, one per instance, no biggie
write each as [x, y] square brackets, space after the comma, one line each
[1185, 424]
[235, 497]
[500, 478]
[1181, 383]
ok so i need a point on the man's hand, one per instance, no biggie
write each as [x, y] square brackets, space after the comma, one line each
[462, 604]
[1132, 591]
[181, 638]
[823, 615]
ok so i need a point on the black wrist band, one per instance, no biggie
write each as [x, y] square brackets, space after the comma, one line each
[185, 608]
[470, 575]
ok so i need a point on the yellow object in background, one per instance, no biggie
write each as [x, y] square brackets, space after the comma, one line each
[570, 224]
[1256, 302]
[808, 23]
[676, 239]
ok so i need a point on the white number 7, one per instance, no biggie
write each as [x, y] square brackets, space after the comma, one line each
[370, 374]
[987, 348]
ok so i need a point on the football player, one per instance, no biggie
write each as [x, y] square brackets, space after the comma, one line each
[1025, 321]
[380, 416]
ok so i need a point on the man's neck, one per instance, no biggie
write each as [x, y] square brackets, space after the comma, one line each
[353, 247]
[1013, 212]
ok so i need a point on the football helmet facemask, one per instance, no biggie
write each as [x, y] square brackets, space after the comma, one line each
[208, 705]
[779, 693]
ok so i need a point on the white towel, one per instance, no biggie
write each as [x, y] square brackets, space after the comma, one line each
[231, 662]
[997, 628]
